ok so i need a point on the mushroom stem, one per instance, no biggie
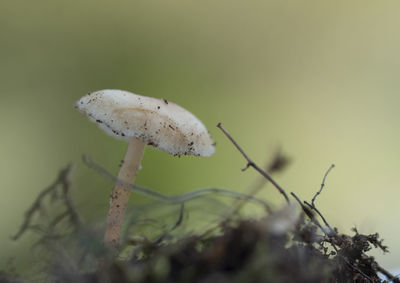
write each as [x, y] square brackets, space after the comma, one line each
[120, 195]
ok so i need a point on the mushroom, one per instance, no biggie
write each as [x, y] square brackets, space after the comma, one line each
[141, 120]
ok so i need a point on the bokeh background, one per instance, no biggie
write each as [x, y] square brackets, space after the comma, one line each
[320, 79]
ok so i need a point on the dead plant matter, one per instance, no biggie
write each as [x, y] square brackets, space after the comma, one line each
[286, 245]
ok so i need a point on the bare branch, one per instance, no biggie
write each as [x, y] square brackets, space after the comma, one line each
[250, 163]
[322, 184]
[322, 217]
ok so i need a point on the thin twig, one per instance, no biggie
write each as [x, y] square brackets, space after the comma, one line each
[58, 219]
[320, 215]
[312, 205]
[251, 163]
[312, 218]
[358, 270]
[73, 214]
[62, 176]
[322, 184]
[277, 163]
[334, 233]
[308, 212]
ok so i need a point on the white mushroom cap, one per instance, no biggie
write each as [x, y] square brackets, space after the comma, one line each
[157, 122]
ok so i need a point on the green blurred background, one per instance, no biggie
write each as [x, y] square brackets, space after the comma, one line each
[318, 78]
